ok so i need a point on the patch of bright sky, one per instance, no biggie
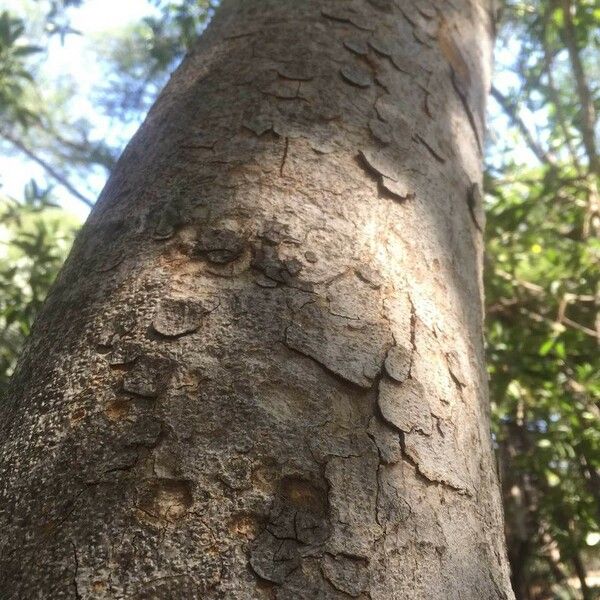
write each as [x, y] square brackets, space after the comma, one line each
[75, 59]
[507, 81]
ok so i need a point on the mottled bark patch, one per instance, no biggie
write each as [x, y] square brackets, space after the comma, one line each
[164, 500]
[165, 221]
[117, 409]
[123, 353]
[272, 558]
[147, 377]
[220, 246]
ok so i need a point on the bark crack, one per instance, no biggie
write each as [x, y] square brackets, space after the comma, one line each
[284, 157]
[473, 199]
[76, 572]
[413, 334]
[465, 102]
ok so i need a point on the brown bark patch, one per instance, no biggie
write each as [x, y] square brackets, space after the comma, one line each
[453, 54]
[98, 586]
[301, 494]
[164, 500]
[117, 410]
[244, 525]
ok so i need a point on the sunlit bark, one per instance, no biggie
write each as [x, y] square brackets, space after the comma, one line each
[261, 372]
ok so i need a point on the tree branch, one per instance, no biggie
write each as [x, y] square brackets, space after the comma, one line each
[47, 167]
[512, 113]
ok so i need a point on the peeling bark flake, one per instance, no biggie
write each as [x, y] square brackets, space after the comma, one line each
[356, 76]
[353, 351]
[475, 204]
[259, 125]
[175, 317]
[396, 188]
[405, 406]
[357, 46]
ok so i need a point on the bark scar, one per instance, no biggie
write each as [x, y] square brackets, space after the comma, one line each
[76, 571]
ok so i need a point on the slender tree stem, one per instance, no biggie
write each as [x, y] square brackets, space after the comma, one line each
[588, 122]
[555, 98]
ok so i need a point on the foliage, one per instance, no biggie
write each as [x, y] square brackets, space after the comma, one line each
[36, 236]
[543, 295]
[14, 75]
[37, 119]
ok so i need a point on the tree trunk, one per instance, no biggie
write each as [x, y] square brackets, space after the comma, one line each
[260, 373]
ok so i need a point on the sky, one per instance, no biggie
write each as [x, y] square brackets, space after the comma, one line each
[74, 58]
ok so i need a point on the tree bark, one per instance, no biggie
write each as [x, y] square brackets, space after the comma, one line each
[261, 372]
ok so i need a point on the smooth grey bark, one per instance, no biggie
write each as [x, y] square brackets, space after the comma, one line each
[260, 373]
